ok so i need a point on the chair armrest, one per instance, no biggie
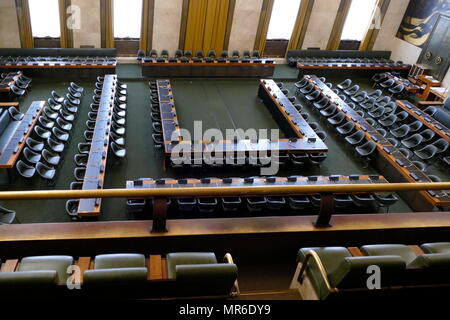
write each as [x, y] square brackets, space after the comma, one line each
[431, 103]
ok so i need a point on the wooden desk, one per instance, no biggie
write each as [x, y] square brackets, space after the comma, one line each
[96, 165]
[10, 104]
[441, 93]
[201, 68]
[429, 82]
[391, 155]
[412, 88]
[8, 81]
[304, 140]
[269, 182]
[428, 121]
[12, 150]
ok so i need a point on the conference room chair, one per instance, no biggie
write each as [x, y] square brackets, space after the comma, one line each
[119, 130]
[408, 154]
[207, 205]
[388, 121]
[256, 54]
[117, 150]
[153, 53]
[387, 84]
[365, 150]
[356, 138]
[140, 54]
[212, 54]
[307, 89]
[188, 54]
[313, 96]
[34, 145]
[420, 165]
[375, 94]
[79, 173]
[428, 135]
[446, 160]
[51, 158]
[413, 141]
[178, 53]
[231, 204]
[49, 113]
[322, 135]
[352, 91]
[81, 159]
[46, 122]
[299, 107]
[7, 216]
[84, 147]
[397, 90]
[26, 171]
[442, 145]
[31, 156]
[41, 133]
[379, 77]
[337, 119]
[54, 145]
[368, 104]
[298, 203]
[72, 207]
[46, 172]
[385, 201]
[359, 97]
[382, 101]
[431, 111]
[304, 115]
[391, 107]
[76, 185]
[119, 140]
[382, 131]
[63, 124]
[67, 116]
[345, 84]
[329, 111]
[118, 120]
[158, 140]
[364, 199]
[434, 178]
[426, 153]
[256, 204]
[317, 158]
[314, 126]
[394, 142]
[402, 116]
[15, 114]
[60, 135]
[73, 93]
[69, 107]
[401, 132]
[94, 107]
[416, 126]
[57, 97]
[235, 54]
[164, 54]
[24, 78]
[322, 103]
[371, 121]
[299, 159]
[330, 85]
[292, 99]
[346, 129]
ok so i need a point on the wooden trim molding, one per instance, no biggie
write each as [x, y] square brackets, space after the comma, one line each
[341, 16]
[301, 25]
[24, 21]
[263, 25]
[106, 23]
[372, 33]
[66, 33]
[230, 17]
[148, 15]
[183, 27]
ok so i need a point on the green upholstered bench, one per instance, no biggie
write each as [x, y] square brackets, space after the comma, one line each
[58, 264]
[438, 247]
[117, 269]
[199, 274]
[336, 270]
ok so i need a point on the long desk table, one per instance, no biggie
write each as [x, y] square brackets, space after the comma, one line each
[257, 68]
[269, 182]
[392, 163]
[81, 66]
[96, 165]
[319, 68]
[10, 79]
[17, 134]
[304, 139]
[427, 120]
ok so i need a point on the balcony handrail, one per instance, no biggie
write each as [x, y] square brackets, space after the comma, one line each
[221, 191]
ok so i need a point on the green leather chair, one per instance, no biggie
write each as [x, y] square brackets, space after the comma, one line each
[405, 252]
[346, 272]
[58, 264]
[438, 247]
[28, 279]
[199, 274]
[116, 269]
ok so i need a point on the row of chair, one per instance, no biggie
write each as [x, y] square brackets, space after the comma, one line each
[124, 275]
[334, 272]
[153, 53]
[116, 134]
[313, 60]
[20, 84]
[382, 77]
[44, 151]
[398, 127]
[21, 60]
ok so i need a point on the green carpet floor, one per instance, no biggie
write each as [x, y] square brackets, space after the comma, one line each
[218, 103]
